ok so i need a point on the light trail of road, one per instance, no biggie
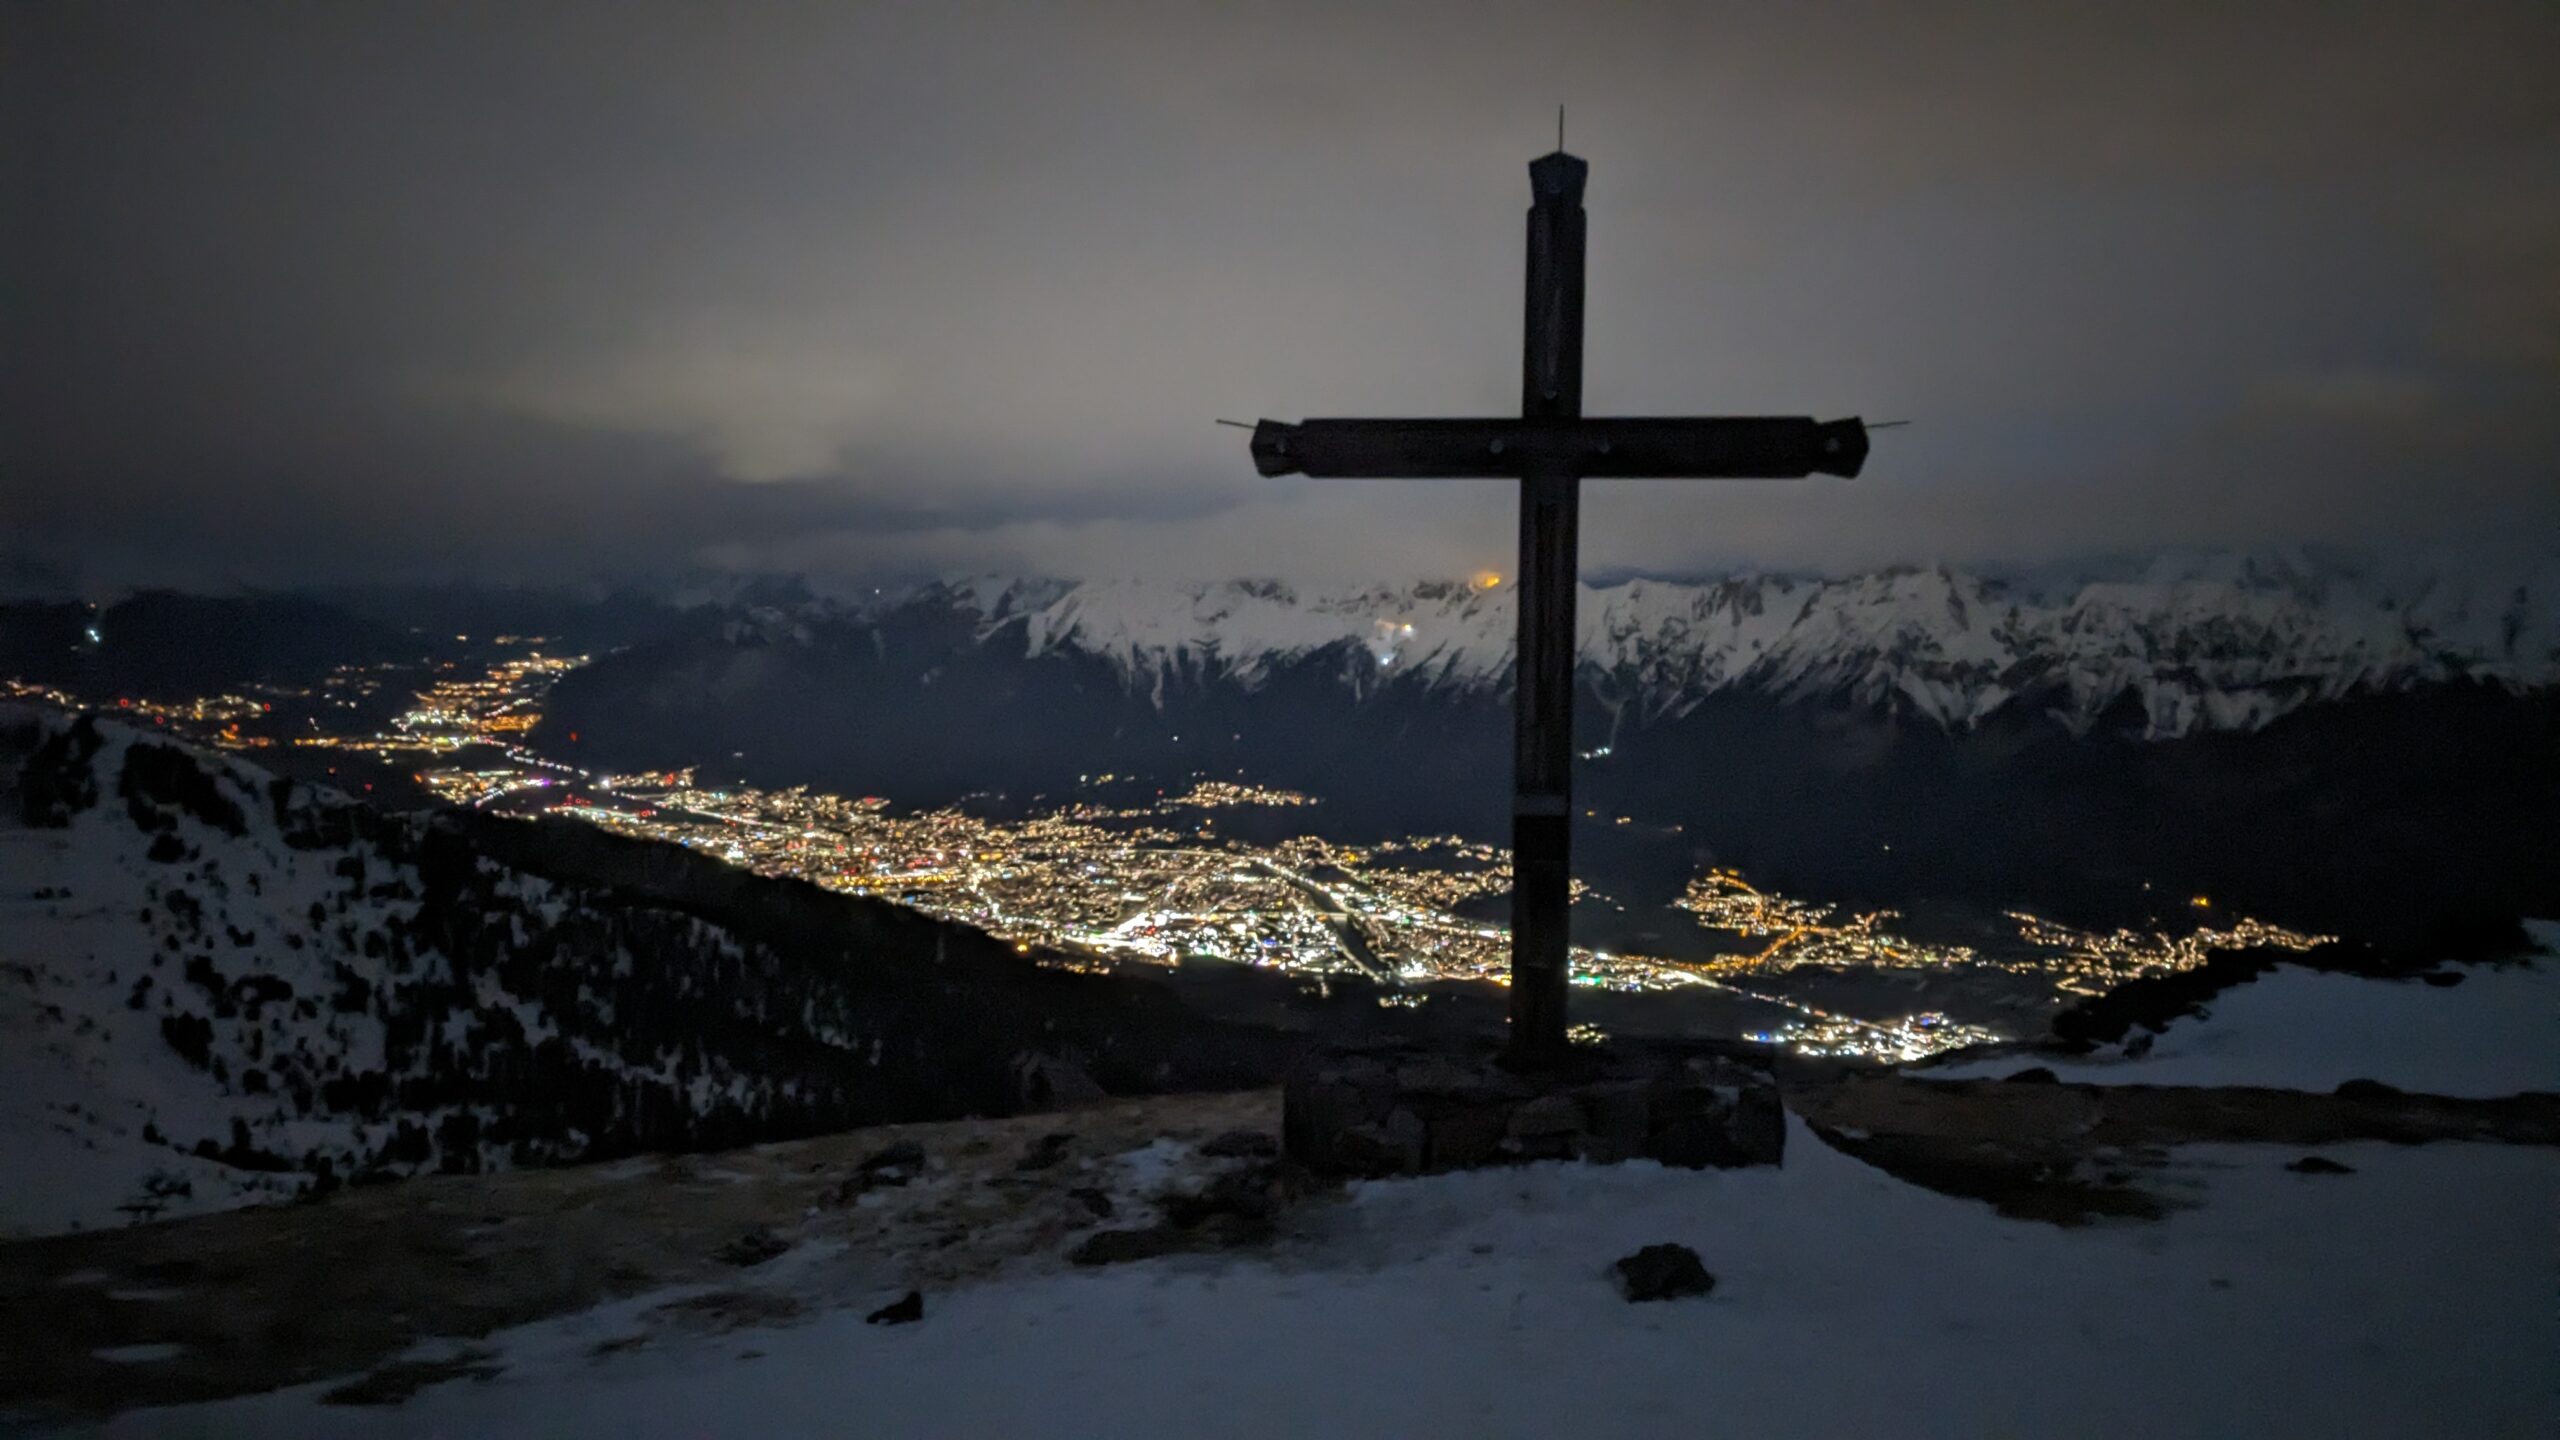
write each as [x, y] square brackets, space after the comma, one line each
[1344, 924]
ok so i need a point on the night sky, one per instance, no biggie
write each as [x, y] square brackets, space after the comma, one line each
[329, 292]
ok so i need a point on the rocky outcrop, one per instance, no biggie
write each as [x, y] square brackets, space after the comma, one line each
[1663, 1272]
[1411, 1111]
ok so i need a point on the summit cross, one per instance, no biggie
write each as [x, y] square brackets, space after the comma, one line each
[1550, 450]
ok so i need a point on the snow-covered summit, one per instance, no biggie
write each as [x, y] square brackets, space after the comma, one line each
[2198, 642]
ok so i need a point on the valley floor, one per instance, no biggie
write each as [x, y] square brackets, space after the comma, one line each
[2410, 1297]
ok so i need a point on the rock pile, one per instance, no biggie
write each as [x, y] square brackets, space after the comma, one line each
[1410, 1111]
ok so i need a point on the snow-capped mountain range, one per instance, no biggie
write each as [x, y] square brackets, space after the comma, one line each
[2200, 643]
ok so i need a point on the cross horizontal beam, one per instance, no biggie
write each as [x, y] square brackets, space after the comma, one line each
[1756, 447]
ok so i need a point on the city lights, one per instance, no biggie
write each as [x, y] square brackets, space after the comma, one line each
[1096, 884]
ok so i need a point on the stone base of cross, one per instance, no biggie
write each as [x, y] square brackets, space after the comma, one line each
[1550, 450]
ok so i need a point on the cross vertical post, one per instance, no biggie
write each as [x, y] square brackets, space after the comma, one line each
[1547, 577]
[1550, 450]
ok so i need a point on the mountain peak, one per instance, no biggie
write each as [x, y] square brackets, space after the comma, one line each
[2198, 640]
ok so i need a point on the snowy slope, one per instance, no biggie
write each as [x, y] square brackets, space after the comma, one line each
[2213, 642]
[1477, 1304]
[2496, 1033]
[218, 987]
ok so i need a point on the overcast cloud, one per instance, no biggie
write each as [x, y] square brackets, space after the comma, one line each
[548, 291]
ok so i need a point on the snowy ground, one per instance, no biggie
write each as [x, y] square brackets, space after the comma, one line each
[2413, 1297]
[81, 1073]
[2496, 1033]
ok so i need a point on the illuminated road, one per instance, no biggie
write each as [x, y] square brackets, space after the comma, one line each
[1345, 922]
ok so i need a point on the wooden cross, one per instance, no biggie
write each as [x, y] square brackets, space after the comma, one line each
[1550, 450]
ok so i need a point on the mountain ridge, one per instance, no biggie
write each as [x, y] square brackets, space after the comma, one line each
[2198, 644]
[220, 986]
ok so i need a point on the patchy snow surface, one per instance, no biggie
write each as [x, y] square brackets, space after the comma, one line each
[2496, 1033]
[2409, 1298]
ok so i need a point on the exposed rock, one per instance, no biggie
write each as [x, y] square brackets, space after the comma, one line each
[1045, 1152]
[1722, 1114]
[1113, 1247]
[2074, 1120]
[1392, 1146]
[754, 1247]
[2443, 979]
[476, 1255]
[1548, 1115]
[1443, 1077]
[1547, 1128]
[2069, 1153]
[1462, 1139]
[905, 1310]
[1238, 1207]
[1663, 1272]
[1228, 1230]
[1256, 1192]
[1616, 1121]
[2319, 1165]
[1046, 1082]
[1092, 1199]
[2025, 1179]
[2036, 1075]
[885, 1168]
[893, 1165]
[1241, 1144]
[1415, 1111]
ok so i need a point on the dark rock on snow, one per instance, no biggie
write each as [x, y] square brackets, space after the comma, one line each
[1239, 1207]
[2319, 1165]
[1046, 1082]
[1256, 1193]
[754, 1247]
[894, 1165]
[1045, 1152]
[1405, 1110]
[903, 1311]
[1663, 1272]
[1111, 1247]
[1241, 1145]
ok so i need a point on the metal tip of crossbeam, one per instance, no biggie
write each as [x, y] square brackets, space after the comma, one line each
[1239, 424]
[1886, 424]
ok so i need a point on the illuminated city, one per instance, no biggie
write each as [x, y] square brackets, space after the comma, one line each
[1110, 878]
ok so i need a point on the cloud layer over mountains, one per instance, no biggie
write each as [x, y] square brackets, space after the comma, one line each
[568, 289]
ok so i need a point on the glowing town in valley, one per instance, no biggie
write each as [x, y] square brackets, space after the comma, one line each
[1125, 874]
